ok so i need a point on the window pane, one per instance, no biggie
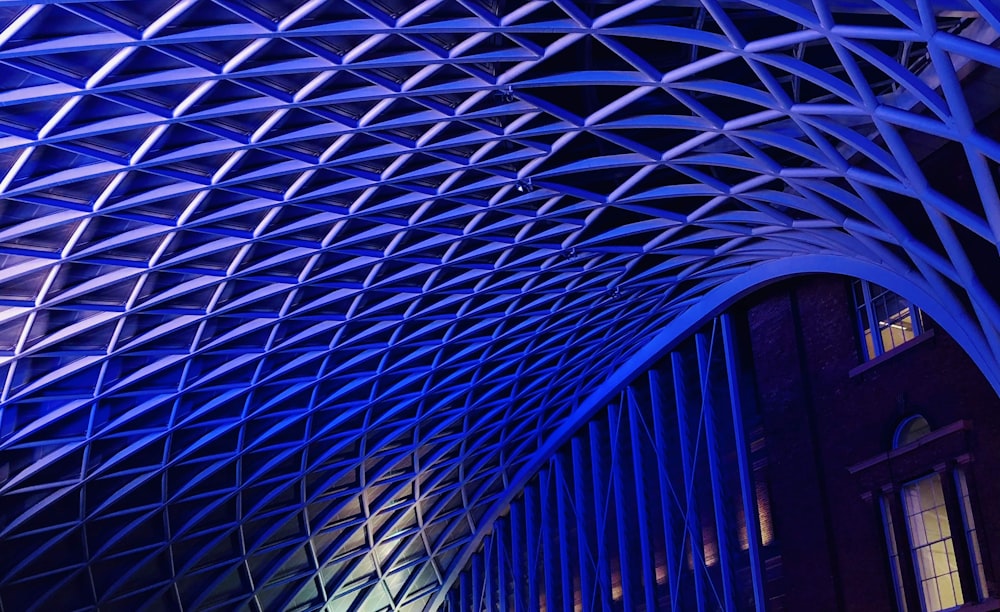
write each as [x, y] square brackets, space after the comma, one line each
[864, 321]
[970, 533]
[859, 294]
[890, 537]
[894, 322]
[930, 539]
[869, 344]
[911, 430]
[885, 320]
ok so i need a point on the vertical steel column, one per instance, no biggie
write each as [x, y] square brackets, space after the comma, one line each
[531, 532]
[585, 520]
[615, 421]
[563, 518]
[502, 580]
[465, 592]
[747, 495]
[549, 566]
[477, 581]
[674, 555]
[601, 503]
[688, 460]
[704, 349]
[639, 467]
[518, 547]
[488, 568]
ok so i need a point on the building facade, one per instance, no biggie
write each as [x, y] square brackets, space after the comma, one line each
[840, 475]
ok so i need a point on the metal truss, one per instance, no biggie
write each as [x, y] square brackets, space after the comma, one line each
[295, 297]
[653, 505]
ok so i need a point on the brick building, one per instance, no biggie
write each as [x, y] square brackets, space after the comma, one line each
[824, 441]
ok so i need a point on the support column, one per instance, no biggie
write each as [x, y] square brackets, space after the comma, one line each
[747, 487]
[518, 547]
[502, 555]
[639, 467]
[600, 502]
[478, 580]
[489, 569]
[585, 519]
[549, 566]
[668, 498]
[688, 461]
[563, 517]
[623, 524]
[722, 530]
[531, 531]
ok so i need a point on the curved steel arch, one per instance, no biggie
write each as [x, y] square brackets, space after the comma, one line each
[950, 316]
[293, 295]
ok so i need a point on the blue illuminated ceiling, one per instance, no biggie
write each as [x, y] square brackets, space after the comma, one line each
[294, 295]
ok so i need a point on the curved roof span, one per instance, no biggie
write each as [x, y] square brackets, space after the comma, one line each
[293, 294]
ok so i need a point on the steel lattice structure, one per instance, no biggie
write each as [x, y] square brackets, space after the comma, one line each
[297, 296]
[597, 529]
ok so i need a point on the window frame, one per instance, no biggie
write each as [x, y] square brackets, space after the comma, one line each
[883, 479]
[922, 550]
[966, 556]
[866, 320]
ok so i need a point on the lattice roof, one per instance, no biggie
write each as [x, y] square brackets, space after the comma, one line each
[292, 294]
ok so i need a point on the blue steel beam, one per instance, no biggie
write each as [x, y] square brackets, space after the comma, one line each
[547, 562]
[639, 469]
[561, 491]
[532, 534]
[518, 549]
[263, 249]
[748, 498]
[664, 551]
[582, 494]
[936, 304]
[689, 435]
[502, 570]
[601, 501]
[616, 423]
[669, 500]
[706, 346]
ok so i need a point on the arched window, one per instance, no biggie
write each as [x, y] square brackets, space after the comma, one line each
[939, 530]
[910, 430]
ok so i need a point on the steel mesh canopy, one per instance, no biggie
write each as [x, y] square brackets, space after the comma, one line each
[295, 294]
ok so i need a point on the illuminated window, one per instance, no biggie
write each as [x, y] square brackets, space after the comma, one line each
[911, 430]
[890, 537]
[970, 534]
[932, 544]
[885, 320]
[932, 528]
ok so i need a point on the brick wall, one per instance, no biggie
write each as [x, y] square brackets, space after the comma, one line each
[818, 420]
